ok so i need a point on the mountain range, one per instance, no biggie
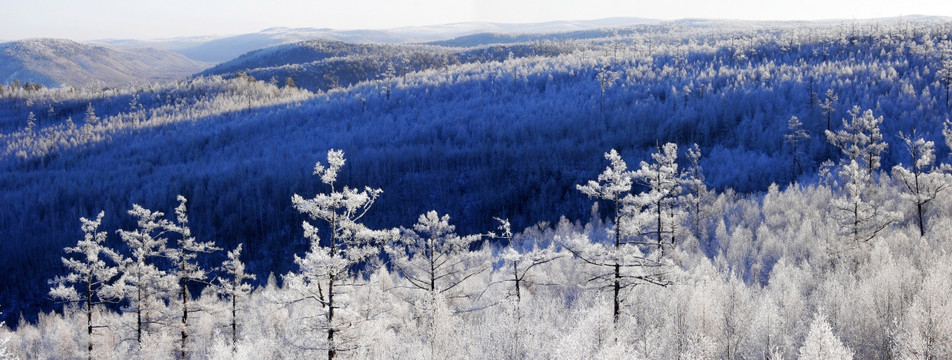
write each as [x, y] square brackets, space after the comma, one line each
[222, 48]
[120, 62]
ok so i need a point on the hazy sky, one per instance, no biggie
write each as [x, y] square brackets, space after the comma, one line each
[147, 19]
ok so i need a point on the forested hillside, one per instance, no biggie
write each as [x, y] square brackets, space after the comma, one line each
[57, 62]
[785, 189]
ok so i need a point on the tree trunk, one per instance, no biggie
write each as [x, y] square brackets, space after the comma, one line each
[922, 227]
[139, 312]
[616, 310]
[184, 294]
[234, 320]
[89, 317]
[331, 348]
[515, 273]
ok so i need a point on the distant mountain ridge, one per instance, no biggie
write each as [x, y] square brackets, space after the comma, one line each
[224, 48]
[57, 62]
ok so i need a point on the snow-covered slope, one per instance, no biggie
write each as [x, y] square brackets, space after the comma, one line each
[55, 62]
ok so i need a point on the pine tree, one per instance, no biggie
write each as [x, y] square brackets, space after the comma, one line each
[436, 261]
[185, 267]
[142, 282]
[326, 270]
[698, 196]
[517, 266]
[921, 182]
[614, 185]
[660, 202]
[234, 288]
[606, 79]
[794, 137]
[944, 73]
[860, 139]
[822, 344]
[947, 132]
[432, 257]
[829, 107]
[91, 118]
[859, 206]
[30, 122]
[91, 274]
[518, 262]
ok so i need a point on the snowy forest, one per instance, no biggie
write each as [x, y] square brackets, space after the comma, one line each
[691, 189]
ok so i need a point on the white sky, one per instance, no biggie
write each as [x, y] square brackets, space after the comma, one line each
[149, 19]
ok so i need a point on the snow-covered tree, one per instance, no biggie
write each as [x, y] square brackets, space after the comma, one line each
[30, 122]
[184, 261]
[517, 266]
[435, 261]
[433, 258]
[860, 205]
[947, 132]
[794, 137]
[822, 344]
[697, 196]
[860, 139]
[91, 118]
[91, 274]
[327, 269]
[829, 107]
[859, 208]
[142, 282]
[921, 182]
[606, 79]
[661, 211]
[520, 263]
[614, 185]
[945, 67]
[234, 288]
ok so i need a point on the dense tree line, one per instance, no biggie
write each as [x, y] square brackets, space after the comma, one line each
[785, 278]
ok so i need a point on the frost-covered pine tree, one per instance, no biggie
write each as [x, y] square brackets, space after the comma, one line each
[697, 196]
[328, 269]
[860, 139]
[91, 118]
[606, 79]
[91, 274]
[435, 261]
[517, 266]
[627, 263]
[859, 209]
[822, 344]
[829, 107]
[859, 206]
[142, 283]
[184, 262]
[432, 257]
[945, 67]
[520, 263]
[921, 182]
[947, 132]
[30, 122]
[234, 289]
[794, 137]
[661, 210]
